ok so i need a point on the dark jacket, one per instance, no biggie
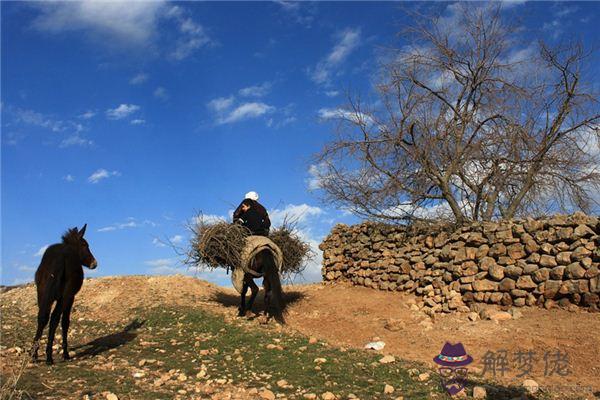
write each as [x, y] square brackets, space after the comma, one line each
[256, 218]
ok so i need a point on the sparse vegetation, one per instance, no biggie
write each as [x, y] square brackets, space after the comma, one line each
[163, 352]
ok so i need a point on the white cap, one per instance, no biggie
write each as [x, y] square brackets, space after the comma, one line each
[252, 196]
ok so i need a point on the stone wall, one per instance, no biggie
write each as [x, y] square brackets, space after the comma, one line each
[545, 262]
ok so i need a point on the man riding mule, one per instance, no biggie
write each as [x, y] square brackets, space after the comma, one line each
[251, 214]
[260, 258]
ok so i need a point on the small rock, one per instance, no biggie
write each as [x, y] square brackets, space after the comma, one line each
[320, 360]
[282, 383]
[516, 313]
[479, 392]
[328, 396]
[393, 325]
[310, 396]
[375, 345]
[111, 396]
[387, 359]
[500, 316]
[158, 382]
[139, 374]
[388, 389]
[312, 340]
[272, 346]
[201, 374]
[423, 377]
[267, 395]
[531, 386]
[473, 316]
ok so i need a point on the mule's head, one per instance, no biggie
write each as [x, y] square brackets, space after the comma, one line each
[74, 237]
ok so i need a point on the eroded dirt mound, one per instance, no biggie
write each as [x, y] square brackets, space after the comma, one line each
[113, 298]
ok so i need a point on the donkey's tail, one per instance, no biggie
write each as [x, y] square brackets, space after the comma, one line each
[276, 297]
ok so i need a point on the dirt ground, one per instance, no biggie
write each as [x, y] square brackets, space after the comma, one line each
[350, 316]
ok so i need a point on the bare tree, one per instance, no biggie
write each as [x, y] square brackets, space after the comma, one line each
[468, 123]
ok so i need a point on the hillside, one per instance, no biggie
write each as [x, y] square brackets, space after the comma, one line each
[179, 337]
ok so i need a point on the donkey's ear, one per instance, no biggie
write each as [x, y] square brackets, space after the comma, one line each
[82, 231]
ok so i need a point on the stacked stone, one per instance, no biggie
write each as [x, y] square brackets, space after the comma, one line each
[544, 262]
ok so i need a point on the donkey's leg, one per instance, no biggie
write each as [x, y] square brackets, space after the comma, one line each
[267, 288]
[66, 320]
[44, 306]
[242, 308]
[254, 290]
[54, 319]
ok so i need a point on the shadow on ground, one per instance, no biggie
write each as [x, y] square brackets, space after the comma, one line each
[105, 343]
[227, 299]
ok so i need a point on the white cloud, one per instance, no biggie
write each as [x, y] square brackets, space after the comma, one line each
[30, 117]
[138, 79]
[512, 3]
[100, 174]
[26, 268]
[246, 111]
[221, 103]
[161, 93]
[228, 110]
[339, 113]
[88, 115]
[71, 129]
[164, 266]
[193, 35]
[256, 90]
[161, 262]
[176, 239]
[75, 140]
[41, 251]
[158, 243]
[315, 172]
[122, 111]
[347, 41]
[128, 224]
[125, 22]
[69, 178]
[332, 93]
[137, 121]
[302, 13]
[208, 219]
[296, 213]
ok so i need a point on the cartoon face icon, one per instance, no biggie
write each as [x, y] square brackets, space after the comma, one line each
[452, 362]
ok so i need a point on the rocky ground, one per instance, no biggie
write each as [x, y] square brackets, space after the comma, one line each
[179, 337]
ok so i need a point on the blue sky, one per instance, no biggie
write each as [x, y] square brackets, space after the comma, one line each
[132, 117]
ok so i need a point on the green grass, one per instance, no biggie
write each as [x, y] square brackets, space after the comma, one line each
[178, 337]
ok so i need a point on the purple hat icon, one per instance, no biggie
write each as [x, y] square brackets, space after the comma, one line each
[453, 355]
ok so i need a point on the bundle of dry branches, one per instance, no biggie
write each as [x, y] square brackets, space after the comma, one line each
[220, 244]
[296, 253]
[217, 244]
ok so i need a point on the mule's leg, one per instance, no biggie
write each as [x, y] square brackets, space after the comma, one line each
[254, 292]
[54, 319]
[242, 309]
[267, 289]
[44, 307]
[66, 320]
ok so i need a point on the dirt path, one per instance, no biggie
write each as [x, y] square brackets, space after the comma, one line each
[352, 316]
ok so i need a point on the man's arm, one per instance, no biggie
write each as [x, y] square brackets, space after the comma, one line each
[237, 214]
